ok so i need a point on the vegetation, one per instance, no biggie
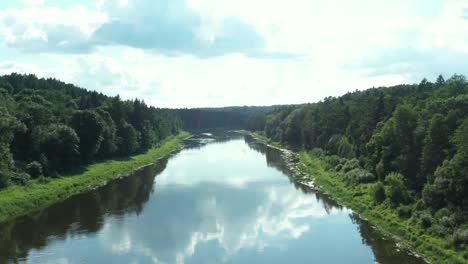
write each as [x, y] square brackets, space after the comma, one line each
[398, 155]
[49, 128]
[42, 192]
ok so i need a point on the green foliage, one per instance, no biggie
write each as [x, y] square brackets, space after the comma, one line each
[414, 138]
[451, 179]
[358, 175]
[435, 145]
[43, 192]
[20, 178]
[404, 211]
[4, 178]
[62, 127]
[378, 192]
[340, 145]
[127, 139]
[395, 189]
[425, 220]
[58, 145]
[351, 165]
[89, 127]
[460, 238]
[256, 122]
[34, 169]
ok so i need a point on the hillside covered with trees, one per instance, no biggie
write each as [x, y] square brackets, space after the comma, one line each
[405, 147]
[50, 128]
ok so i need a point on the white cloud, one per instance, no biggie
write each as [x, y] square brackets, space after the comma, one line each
[50, 29]
[356, 46]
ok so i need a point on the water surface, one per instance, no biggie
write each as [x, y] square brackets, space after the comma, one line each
[223, 199]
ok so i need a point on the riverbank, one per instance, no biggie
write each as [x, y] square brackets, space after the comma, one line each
[359, 198]
[41, 193]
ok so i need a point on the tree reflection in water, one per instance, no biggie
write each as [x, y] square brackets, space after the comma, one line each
[80, 214]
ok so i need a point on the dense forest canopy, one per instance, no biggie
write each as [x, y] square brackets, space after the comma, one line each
[48, 127]
[231, 117]
[409, 141]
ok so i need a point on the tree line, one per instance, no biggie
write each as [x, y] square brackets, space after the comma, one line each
[409, 142]
[50, 128]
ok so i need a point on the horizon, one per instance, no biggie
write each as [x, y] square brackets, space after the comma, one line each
[202, 54]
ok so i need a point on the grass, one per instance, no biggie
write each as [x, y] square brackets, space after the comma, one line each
[41, 193]
[261, 137]
[434, 249]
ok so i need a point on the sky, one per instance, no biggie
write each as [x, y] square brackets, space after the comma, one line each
[200, 53]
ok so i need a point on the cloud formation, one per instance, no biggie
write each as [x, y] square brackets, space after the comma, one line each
[173, 28]
[191, 53]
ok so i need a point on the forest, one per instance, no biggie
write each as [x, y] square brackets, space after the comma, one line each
[49, 128]
[403, 148]
[406, 146]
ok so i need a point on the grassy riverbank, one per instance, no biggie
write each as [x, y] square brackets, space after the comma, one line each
[41, 193]
[359, 198]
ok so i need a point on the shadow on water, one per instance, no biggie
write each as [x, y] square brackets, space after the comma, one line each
[275, 160]
[80, 214]
[385, 251]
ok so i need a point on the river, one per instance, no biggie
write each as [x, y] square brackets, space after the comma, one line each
[222, 199]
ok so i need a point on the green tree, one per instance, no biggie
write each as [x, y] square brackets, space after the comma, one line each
[89, 127]
[127, 139]
[58, 145]
[378, 192]
[395, 189]
[451, 179]
[435, 146]
[8, 126]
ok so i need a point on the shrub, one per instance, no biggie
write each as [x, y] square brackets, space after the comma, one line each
[317, 152]
[425, 220]
[4, 178]
[20, 178]
[338, 167]
[34, 169]
[359, 176]
[419, 206]
[396, 190]
[460, 238]
[442, 212]
[378, 192]
[351, 164]
[43, 180]
[404, 211]
[332, 161]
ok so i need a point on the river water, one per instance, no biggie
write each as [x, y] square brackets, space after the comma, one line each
[222, 199]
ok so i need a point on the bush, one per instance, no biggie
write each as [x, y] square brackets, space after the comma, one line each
[4, 179]
[43, 180]
[425, 220]
[378, 192]
[20, 178]
[338, 167]
[404, 211]
[34, 169]
[460, 238]
[317, 152]
[442, 212]
[359, 176]
[433, 196]
[351, 165]
[332, 161]
[396, 190]
[419, 206]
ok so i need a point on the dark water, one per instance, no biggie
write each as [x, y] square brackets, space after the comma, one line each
[223, 199]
